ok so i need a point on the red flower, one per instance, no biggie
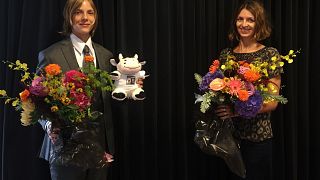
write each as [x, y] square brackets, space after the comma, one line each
[80, 99]
[75, 77]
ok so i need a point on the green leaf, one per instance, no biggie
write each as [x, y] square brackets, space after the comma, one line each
[198, 78]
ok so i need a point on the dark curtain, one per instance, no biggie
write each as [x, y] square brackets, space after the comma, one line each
[154, 137]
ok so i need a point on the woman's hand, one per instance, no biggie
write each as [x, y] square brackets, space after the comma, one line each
[225, 112]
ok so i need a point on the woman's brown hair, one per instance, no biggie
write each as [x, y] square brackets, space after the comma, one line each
[262, 27]
[69, 10]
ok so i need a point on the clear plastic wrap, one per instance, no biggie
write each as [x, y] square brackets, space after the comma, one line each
[78, 145]
[214, 137]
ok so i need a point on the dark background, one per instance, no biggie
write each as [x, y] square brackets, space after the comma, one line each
[177, 38]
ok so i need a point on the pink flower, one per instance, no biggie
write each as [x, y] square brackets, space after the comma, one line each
[243, 69]
[80, 99]
[37, 88]
[235, 86]
[75, 77]
[217, 84]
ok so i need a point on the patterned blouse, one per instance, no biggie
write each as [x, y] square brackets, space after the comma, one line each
[258, 128]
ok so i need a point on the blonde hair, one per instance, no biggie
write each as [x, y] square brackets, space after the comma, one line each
[262, 27]
[69, 10]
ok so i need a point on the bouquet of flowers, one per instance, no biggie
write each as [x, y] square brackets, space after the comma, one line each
[66, 100]
[244, 86]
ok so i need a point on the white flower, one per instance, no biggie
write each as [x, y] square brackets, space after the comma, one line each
[28, 107]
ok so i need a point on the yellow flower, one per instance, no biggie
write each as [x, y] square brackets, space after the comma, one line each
[223, 67]
[20, 66]
[281, 64]
[291, 52]
[71, 85]
[274, 58]
[3, 93]
[54, 108]
[273, 67]
[273, 88]
[15, 102]
[66, 101]
[79, 90]
[25, 76]
[265, 72]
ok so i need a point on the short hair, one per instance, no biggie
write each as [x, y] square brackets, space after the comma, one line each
[69, 10]
[262, 27]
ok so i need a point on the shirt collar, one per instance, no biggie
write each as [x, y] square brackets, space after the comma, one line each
[78, 44]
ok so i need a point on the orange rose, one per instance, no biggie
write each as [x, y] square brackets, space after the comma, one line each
[88, 58]
[243, 95]
[217, 84]
[53, 69]
[24, 95]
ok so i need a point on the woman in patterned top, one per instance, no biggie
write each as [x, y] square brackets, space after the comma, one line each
[250, 27]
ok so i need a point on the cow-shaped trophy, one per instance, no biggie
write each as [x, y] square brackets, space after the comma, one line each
[125, 78]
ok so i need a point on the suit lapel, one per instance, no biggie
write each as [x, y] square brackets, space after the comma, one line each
[99, 56]
[68, 52]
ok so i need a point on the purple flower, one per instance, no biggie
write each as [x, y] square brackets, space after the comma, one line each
[37, 88]
[206, 80]
[249, 108]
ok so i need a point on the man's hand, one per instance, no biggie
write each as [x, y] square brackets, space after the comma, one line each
[52, 133]
[140, 82]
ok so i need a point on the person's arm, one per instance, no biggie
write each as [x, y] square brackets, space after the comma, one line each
[226, 111]
[53, 133]
[271, 106]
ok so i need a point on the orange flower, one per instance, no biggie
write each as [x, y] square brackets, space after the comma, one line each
[241, 62]
[88, 58]
[217, 84]
[246, 64]
[212, 69]
[243, 95]
[24, 95]
[214, 66]
[216, 63]
[53, 69]
[251, 76]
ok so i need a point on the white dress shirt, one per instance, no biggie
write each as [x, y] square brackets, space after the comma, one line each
[78, 46]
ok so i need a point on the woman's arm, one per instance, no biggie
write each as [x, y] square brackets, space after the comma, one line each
[271, 106]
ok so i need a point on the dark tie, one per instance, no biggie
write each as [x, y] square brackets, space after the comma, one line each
[86, 52]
